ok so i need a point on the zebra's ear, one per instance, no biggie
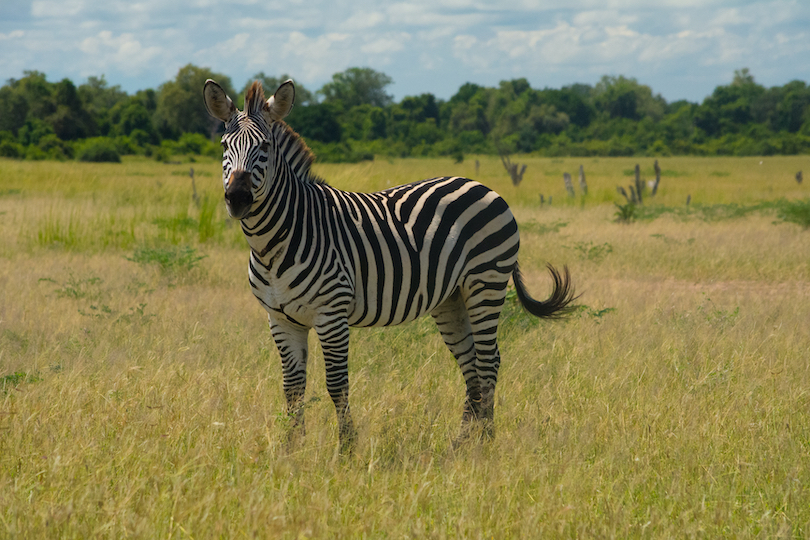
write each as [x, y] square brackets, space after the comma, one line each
[217, 102]
[281, 103]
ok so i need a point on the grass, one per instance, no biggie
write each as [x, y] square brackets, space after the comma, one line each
[140, 390]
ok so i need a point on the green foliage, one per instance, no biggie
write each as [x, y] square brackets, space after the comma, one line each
[795, 212]
[74, 287]
[170, 259]
[13, 380]
[99, 149]
[591, 251]
[626, 213]
[9, 147]
[514, 318]
[194, 144]
[617, 116]
[595, 315]
[207, 226]
[789, 211]
[317, 122]
[357, 86]
[533, 227]
[180, 108]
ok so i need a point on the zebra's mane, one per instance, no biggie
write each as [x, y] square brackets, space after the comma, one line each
[296, 153]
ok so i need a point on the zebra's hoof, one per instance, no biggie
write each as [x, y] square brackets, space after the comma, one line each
[474, 432]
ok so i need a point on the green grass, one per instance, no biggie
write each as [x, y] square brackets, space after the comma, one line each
[140, 390]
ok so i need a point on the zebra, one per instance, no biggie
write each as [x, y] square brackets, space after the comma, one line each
[328, 259]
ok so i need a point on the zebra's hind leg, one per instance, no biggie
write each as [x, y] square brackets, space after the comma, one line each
[291, 341]
[333, 334]
[483, 302]
[454, 325]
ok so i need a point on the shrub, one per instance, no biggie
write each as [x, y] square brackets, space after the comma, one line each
[795, 212]
[11, 149]
[169, 259]
[194, 143]
[625, 213]
[35, 153]
[339, 153]
[99, 149]
[55, 148]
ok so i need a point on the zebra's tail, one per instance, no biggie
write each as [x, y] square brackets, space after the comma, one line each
[558, 305]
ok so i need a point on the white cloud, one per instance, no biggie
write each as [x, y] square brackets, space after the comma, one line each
[363, 20]
[123, 51]
[56, 8]
[14, 34]
[387, 44]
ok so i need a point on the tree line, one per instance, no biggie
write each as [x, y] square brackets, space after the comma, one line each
[352, 117]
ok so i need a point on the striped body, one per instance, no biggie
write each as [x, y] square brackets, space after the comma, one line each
[328, 259]
[378, 259]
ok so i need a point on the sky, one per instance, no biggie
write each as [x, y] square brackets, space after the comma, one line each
[682, 49]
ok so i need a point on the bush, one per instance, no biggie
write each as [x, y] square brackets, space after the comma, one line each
[194, 143]
[125, 146]
[99, 149]
[339, 153]
[11, 149]
[35, 153]
[170, 259]
[797, 212]
[56, 148]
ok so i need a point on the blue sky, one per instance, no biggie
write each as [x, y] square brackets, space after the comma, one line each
[683, 49]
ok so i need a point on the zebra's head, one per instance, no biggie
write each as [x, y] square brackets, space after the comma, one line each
[247, 143]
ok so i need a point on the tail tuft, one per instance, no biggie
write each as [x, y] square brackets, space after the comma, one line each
[558, 305]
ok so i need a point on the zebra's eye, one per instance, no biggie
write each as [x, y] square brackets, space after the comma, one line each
[224, 146]
[265, 147]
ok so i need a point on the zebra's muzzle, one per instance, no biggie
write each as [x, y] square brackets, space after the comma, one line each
[238, 197]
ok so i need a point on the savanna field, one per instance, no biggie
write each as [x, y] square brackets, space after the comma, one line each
[140, 389]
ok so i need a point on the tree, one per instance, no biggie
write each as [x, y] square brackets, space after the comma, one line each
[358, 86]
[13, 109]
[303, 97]
[572, 100]
[742, 77]
[98, 99]
[623, 97]
[70, 120]
[730, 108]
[180, 107]
[316, 122]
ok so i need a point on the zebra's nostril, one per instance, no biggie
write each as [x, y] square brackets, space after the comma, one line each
[238, 195]
[239, 198]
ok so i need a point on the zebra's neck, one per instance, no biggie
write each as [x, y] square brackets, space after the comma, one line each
[295, 153]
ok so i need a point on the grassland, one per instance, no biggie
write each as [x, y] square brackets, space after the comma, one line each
[140, 390]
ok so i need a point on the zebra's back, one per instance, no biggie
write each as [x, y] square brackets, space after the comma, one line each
[413, 246]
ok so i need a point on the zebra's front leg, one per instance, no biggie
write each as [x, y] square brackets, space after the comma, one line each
[333, 333]
[291, 341]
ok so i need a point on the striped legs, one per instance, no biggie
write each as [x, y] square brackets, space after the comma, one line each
[333, 334]
[454, 325]
[484, 303]
[291, 341]
[468, 322]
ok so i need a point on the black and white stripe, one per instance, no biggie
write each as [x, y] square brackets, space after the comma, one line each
[328, 259]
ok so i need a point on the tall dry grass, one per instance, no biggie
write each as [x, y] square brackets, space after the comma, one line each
[141, 398]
